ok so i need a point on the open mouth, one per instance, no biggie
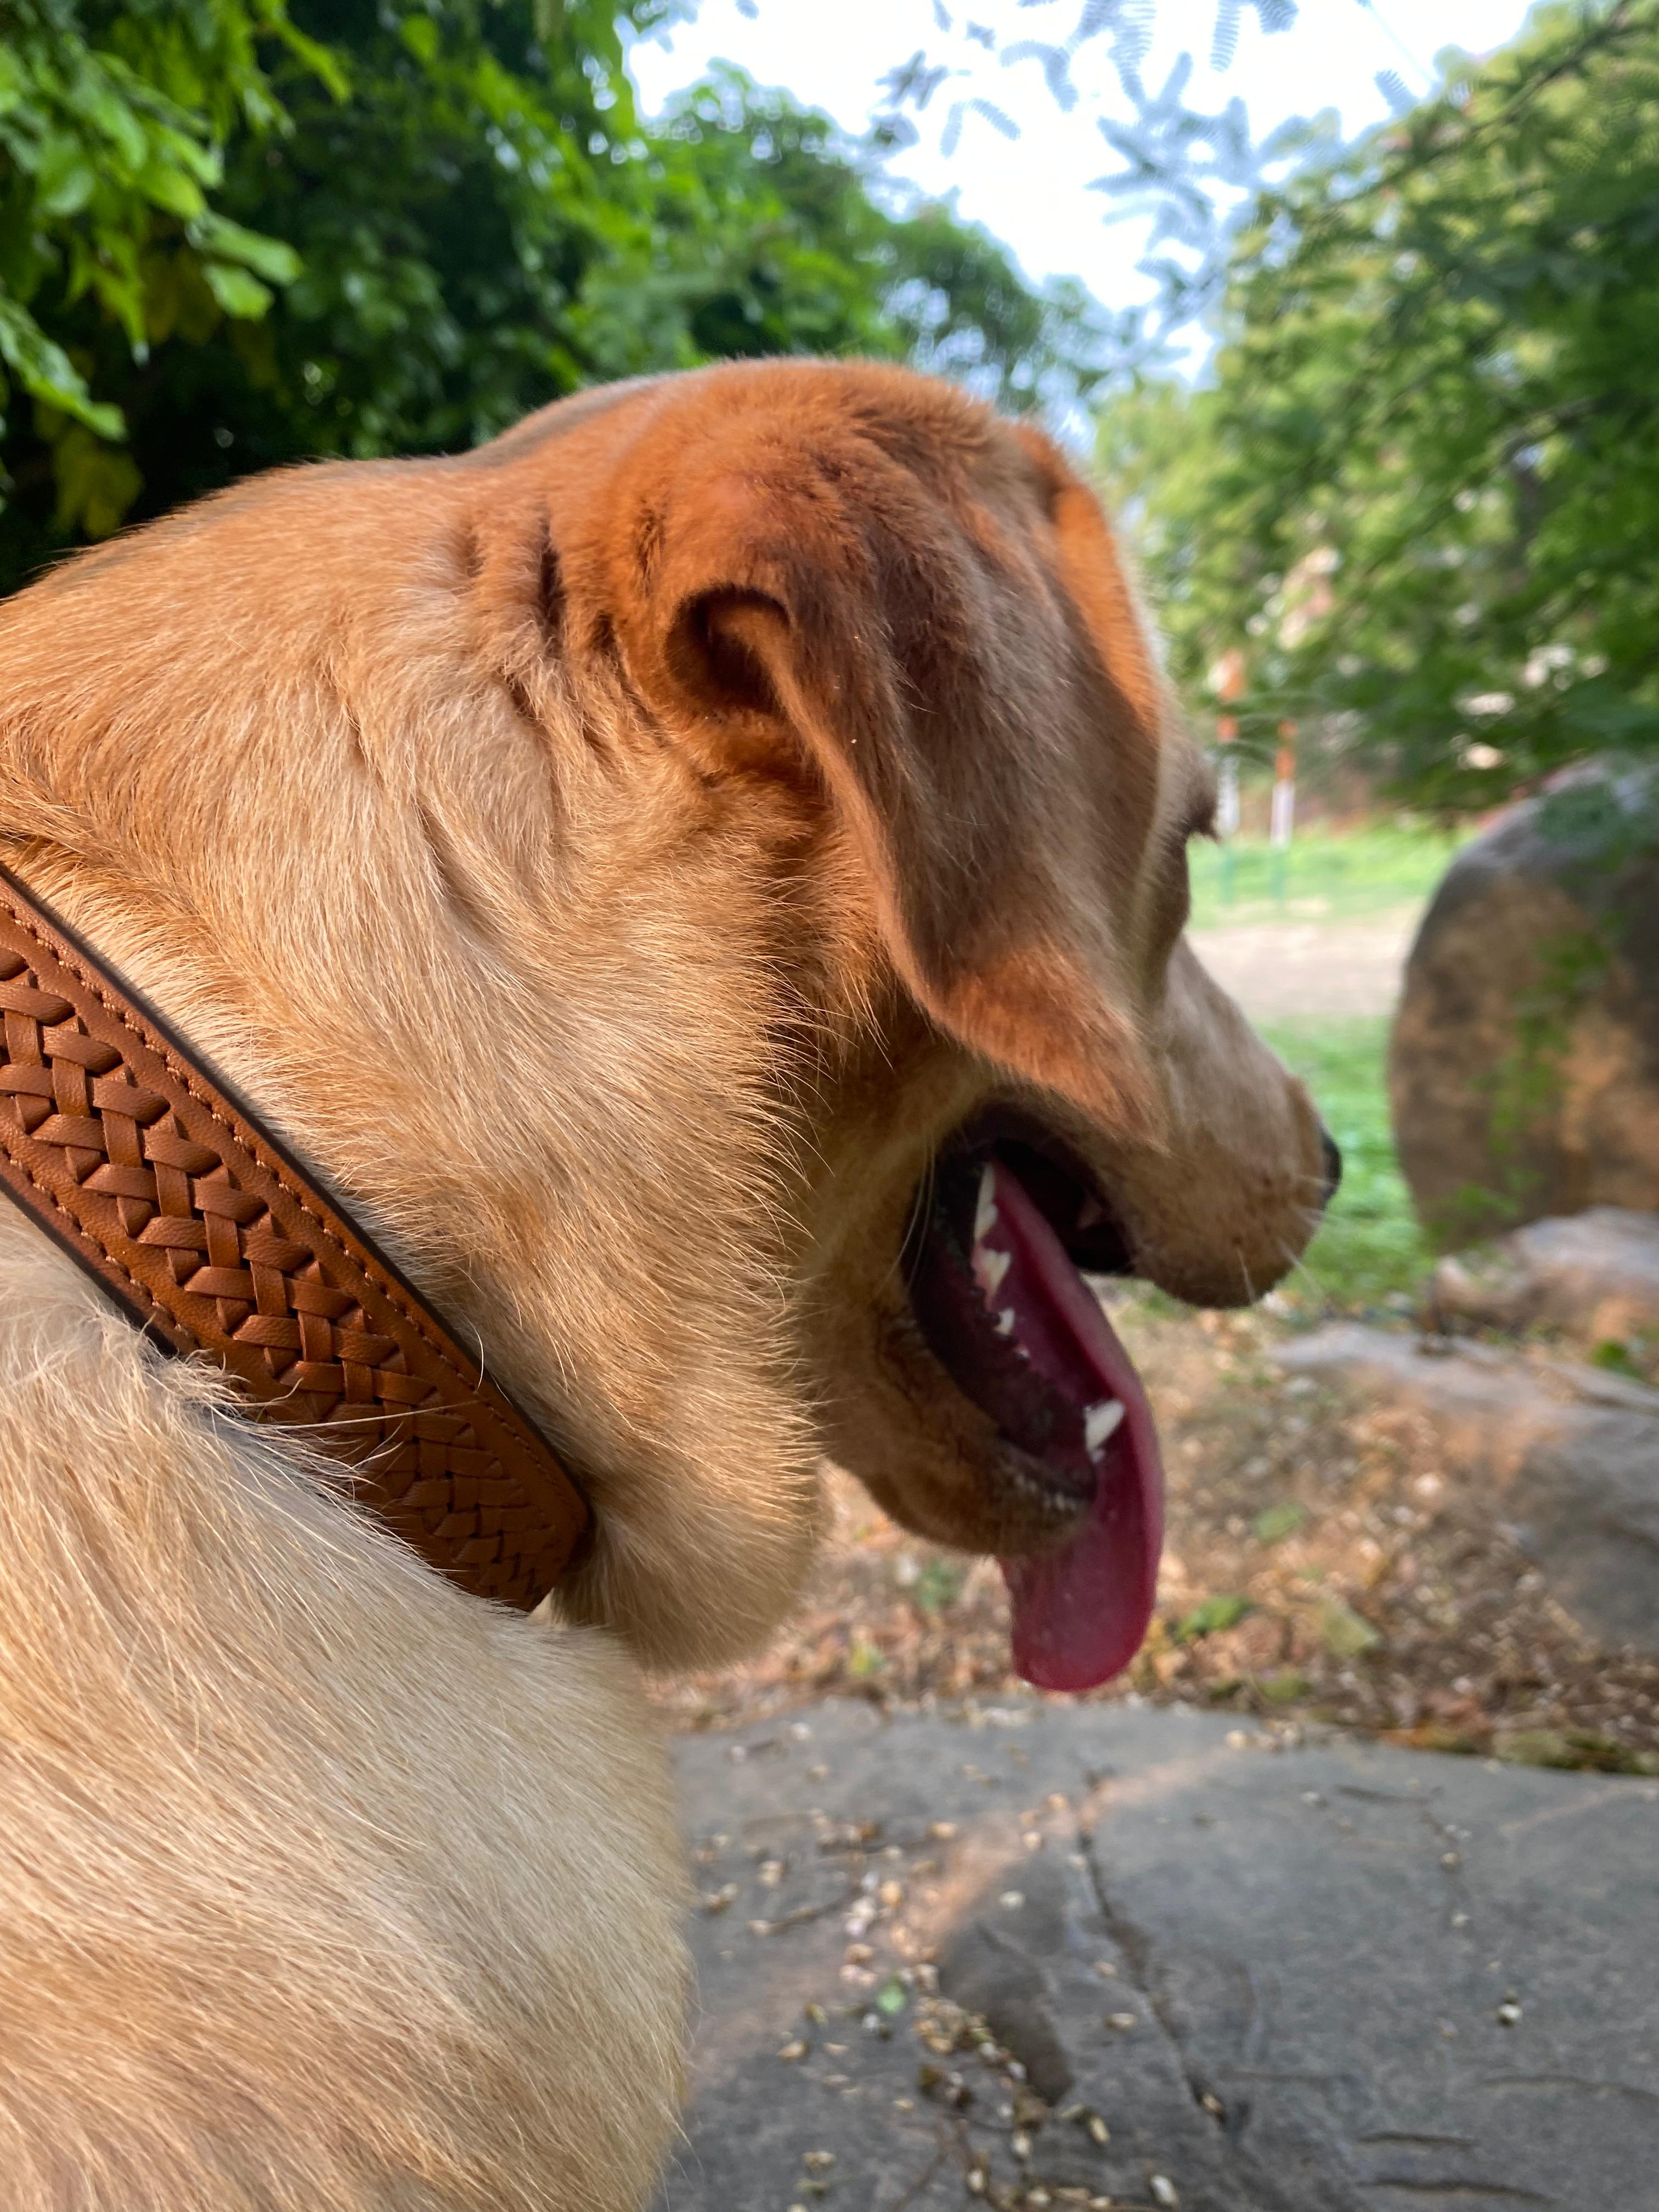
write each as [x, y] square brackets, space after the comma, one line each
[1003, 1235]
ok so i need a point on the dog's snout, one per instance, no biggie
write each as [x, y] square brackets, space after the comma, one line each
[1332, 1154]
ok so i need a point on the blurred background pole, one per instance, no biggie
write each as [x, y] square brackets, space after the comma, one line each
[1282, 821]
[1227, 682]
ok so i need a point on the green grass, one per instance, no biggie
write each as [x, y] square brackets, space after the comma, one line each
[1369, 1249]
[1325, 874]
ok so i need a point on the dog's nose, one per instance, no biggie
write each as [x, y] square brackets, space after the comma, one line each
[1333, 1163]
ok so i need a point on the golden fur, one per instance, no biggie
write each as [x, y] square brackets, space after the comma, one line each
[618, 859]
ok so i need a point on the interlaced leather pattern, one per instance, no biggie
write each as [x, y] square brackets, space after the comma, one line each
[209, 1234]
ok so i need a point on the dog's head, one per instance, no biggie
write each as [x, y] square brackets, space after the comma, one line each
[854, 588]
[720, 878]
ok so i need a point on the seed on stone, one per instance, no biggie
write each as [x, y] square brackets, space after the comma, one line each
[1098, 2128]
[792, 2051]
[1123, 2022]
[1164, 2189]
[1509, 2013]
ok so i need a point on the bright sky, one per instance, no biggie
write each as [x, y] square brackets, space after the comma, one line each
[1033, 192]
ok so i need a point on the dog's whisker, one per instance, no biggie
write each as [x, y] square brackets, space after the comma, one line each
[1299, 1265]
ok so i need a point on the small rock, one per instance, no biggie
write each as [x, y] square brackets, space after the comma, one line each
[1594, 1275]
[1567, 1456]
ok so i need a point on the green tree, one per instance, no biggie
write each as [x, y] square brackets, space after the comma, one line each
[411, 222]
[1421, 485]
[112, 125]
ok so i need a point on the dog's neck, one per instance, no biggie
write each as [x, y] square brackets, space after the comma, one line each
[441, 932]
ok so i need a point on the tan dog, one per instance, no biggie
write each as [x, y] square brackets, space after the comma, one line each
[703, 877]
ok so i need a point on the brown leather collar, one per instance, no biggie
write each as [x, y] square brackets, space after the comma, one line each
[208, 1233]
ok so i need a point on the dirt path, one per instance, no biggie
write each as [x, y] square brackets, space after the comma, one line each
[1277, 970]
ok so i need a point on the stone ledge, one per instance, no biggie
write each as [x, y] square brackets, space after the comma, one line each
[1274, 1980]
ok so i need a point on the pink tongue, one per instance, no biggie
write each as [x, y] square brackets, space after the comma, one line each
[1081, 1612]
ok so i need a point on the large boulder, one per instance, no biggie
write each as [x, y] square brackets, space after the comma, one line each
[1524, 1068]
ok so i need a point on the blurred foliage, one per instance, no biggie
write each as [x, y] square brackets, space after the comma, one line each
[113, 126]
[1193, 173]
[1420, 486]
[238, 233]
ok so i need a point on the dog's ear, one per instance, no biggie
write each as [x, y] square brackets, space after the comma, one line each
[907, 626]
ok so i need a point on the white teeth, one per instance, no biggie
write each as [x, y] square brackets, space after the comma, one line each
[985, 1212]
[1099, 1423]
[1005, 1321]
[990, 1269]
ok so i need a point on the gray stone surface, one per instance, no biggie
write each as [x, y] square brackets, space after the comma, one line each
[1570, 1454]
[1275, 1980]
[1594, 1275]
